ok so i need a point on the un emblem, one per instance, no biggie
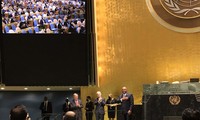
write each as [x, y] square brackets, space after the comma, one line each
[177, 15]
[182, 8]
[174, 100]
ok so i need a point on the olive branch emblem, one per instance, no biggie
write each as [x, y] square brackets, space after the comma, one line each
[174, 100]
[174, 7]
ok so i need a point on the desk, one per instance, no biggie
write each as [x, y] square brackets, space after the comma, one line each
[159, 107]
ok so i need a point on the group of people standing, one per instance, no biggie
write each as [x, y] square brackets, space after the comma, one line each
[73, 109]
[19, 112]
[126, 101]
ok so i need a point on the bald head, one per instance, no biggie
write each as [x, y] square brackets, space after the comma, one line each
[70, 115]
[98, 94]
[19, 112]
[124, 90]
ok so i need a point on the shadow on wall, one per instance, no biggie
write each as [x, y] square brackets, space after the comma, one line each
[32, 101]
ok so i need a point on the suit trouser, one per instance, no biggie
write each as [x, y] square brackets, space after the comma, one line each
[79, 116]
[99, 116]
[45, 116]
[88, 115]
[127, 116]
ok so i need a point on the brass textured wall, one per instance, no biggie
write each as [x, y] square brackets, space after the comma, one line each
[134, 49]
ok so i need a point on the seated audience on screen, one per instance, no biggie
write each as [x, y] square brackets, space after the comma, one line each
[24, 12]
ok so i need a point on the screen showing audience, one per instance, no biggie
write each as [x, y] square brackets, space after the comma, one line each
[43, 16]
[46, 42]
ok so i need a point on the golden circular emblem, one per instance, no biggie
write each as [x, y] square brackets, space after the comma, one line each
[174, 100]
[178, 15]
[186, 9]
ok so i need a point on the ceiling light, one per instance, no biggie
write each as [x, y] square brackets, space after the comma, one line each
[2, 88]
[48, 88]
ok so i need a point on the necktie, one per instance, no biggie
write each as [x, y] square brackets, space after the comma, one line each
[45, 105]
[76, 102]
[124, 95]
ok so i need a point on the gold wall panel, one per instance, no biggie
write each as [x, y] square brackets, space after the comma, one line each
[134, 49]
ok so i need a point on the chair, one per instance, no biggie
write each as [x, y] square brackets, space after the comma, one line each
[57, 17]
[32, 6]
[36, 29]
[13, 27]
[35, 23]
[23, 32]
[62, 16]
[46, 20]
[30, 31]
[22, 18]
[13, 2]
[52, 19]
[52, 27]
[6, 29]
[82, 16]
[5, 1]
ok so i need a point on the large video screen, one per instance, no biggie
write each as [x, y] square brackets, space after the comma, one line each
[43, 16]
[57, 57]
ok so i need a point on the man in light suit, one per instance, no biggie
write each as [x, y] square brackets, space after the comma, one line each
[46, 109]
[76, 106]
[100, 103]
[127, 102]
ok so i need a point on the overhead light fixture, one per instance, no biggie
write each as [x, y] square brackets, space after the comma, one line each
[25, 88]
[2, 88]
[48, 88]
[70, 88]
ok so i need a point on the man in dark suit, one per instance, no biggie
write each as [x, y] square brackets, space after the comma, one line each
[46, 109]
[89, 108]
[126, 101]
[66, 106]
[60, 26]
[41, 23]
[76, 106]
[100, 103]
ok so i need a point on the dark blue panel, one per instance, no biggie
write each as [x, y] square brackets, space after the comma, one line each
[32, 101]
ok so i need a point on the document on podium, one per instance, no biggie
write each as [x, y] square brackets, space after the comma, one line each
[113, 105]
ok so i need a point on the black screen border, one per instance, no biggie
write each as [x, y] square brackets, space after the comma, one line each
[91, 53]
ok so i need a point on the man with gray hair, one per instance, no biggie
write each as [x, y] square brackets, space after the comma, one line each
[100, 103]
[76, 106]
[127, 101]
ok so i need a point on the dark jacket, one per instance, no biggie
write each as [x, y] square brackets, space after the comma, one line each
[46, 110]
[100, 106]
[89, 106]
[76, 109]
[126, 105]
